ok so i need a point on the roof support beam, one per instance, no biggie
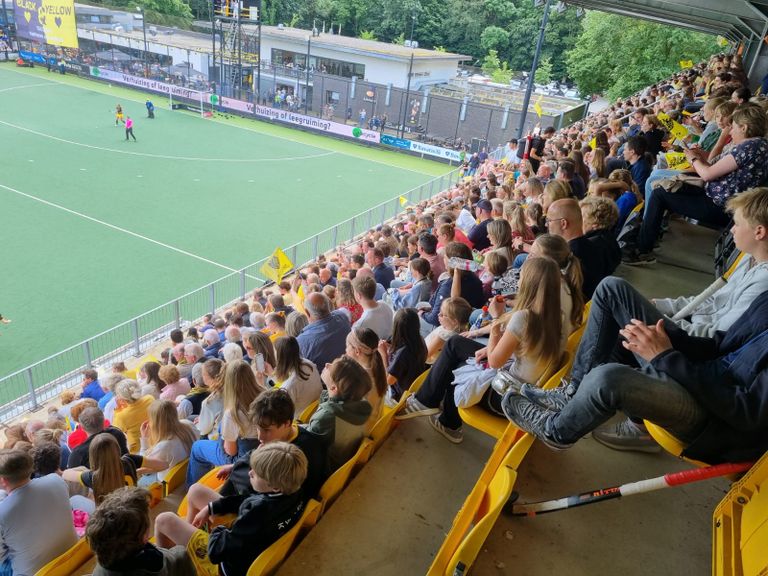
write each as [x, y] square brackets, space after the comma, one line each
[760, 12]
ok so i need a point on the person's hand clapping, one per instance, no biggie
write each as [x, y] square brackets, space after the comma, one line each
[646, 341]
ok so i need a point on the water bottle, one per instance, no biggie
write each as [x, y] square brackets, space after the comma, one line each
[463, 264]
[483, 319]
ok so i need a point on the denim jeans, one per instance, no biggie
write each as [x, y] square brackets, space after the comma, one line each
[643, 393]
[205, 455]
[689, 201]
[614, 303]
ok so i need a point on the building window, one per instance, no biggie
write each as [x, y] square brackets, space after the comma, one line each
[321, 64]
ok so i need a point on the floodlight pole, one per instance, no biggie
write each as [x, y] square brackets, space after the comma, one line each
[140, 10]
[213, 41]
[306, 88]
[258, 62]
[537, 54]
[407, 94]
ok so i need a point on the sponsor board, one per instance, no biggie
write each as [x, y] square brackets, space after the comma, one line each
[427, 149]
[327, 126]
[148, 84]
[47, 21]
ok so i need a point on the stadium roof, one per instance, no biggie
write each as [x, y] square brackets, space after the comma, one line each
[737, 20]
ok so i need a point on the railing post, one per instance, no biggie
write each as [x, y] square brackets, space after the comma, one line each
[31, 384]
[136, 343]
[431, 188]
[293, 255]
[87, 353]
[242, 283]
[315, 242]
[352, 230]
[441, 184]
[383, 213]
[177, 313]
[212, 293]
[335, 236]
[370, 219]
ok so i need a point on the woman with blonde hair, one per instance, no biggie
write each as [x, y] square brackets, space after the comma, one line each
[149, 376]
[345, 299]
[296, 321]
[109, 471]
[131, 412]
[581, 166]
[524, 344]
[175, 385]
[237, 434]
[597, 164]
[500, 236]
[165, 441]
[555, 190]
[212, 407]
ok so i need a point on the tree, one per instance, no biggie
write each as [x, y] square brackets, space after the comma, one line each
[544, 71]
[620, 55]
[367, 35]
[494, 38]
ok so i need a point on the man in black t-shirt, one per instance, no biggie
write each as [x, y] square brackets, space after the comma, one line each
[536, 150]
[92, 421]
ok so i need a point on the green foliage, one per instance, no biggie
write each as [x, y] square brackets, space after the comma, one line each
[400, 40]
[368, 35]
[621, 55]
[543, 71]
[494, 38]
[491, 62]
[164, 12]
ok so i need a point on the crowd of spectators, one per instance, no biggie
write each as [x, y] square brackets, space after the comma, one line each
[485, 283]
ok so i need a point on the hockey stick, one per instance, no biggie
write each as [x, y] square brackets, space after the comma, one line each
[666, 481]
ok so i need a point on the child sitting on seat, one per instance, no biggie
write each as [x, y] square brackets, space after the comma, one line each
[277, 472]
[343, 411]
[118, 533]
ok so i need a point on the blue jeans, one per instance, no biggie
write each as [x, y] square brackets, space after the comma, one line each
[614, 303]
[206, 455]
[689, 201]
[644, 394]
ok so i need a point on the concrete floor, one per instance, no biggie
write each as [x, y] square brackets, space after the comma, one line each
[393, 516]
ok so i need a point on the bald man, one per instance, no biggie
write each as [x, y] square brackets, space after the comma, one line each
[597, 261]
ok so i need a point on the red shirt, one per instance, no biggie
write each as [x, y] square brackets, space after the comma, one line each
[79, 436]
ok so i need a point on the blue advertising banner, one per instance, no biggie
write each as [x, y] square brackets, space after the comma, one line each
[396, 142]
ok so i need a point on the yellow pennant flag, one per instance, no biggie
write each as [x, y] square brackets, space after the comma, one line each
[677, 161]
[276, 266]
[537, 107]
[593, 143]
[675, 128]
[403, 201]
[686, 64]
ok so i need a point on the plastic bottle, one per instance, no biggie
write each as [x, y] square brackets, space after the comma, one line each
[483, 319]
[463, 264]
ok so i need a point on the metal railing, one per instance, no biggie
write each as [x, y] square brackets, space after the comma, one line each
[27, 388]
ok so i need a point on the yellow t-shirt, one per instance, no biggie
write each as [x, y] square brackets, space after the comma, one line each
[129, 420]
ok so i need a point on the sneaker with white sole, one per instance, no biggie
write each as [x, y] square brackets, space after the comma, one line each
[554, 400]
[455, 436]
[531, 418]
[626, 435]
[413, 409]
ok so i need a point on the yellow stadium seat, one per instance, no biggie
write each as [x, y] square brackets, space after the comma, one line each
[669, 442]
[336, 482]
[740, 526]
[386, 422]
[270, 560]
[480, 510]
[66, 564]
[209, 480]
[308, 411]
[175, 477]
[133, 372]
[479, 418]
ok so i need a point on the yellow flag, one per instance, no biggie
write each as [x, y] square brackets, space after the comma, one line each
[593, 143]
[276, 266]
[675, 128]
[686, 64]
[677, 161]
[537, 107]
[300, 304]
[403, 201]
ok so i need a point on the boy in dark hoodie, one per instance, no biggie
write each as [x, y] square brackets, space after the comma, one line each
[118, 533]
[343, 411]
[277, 472]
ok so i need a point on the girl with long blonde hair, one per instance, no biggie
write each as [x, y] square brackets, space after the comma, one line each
[165, 441]
[237, 434]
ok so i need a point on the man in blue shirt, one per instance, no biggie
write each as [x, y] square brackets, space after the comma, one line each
[325, 337]
[383, 273]
[634, 153]
[91, 386]
[479, 233]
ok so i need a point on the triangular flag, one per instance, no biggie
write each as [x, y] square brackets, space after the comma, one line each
[686, 64]
[593, 143]
[403, 201]
[276, 266]
[537, 107]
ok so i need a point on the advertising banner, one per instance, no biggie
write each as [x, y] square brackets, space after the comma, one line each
[233, 104]
[427, 149]
[147, 84]
[326, 126]
[48, 21]
[395, 142]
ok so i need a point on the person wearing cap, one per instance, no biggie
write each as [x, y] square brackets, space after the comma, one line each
[479, 233]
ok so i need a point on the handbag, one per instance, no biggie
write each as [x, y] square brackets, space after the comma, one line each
[673, 185]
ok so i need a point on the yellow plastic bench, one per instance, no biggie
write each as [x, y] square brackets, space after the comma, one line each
[740, 526]
[70, 561]
[336, 482]
[209, 480]
[270, 560]
[306, 414]
[175, 477]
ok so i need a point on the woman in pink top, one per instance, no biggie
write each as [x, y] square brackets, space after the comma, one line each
[174, 385]
[129, 128]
